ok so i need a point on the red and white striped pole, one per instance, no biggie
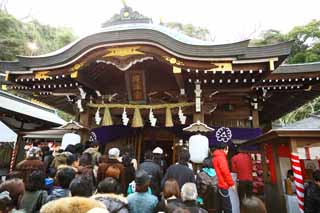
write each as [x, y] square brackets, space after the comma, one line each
[298, 179]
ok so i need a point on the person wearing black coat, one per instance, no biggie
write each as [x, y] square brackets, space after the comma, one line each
[312, 195]
[180, 172]
[153, 170]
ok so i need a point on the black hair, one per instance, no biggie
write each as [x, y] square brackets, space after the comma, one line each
[70, 159]
[221, 146]
[109, 185]
[207, 163]
[126, 160]
[85, 159]
[148, 155]
[79, 148]
[70, 148]
[81, 186]
[316, 175]
[64, 177]
[184, 156]
[35, 181]
[289, 173]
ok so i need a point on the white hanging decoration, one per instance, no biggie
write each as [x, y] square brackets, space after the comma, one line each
[125, 119]
[152, 119]
[82, 93]
[79, 105]
[98, 117]
[198, 92]
[182, 117]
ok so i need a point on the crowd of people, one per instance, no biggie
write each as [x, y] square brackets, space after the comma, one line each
[81, 179]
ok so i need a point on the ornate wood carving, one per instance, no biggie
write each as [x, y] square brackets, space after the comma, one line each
[136, 86]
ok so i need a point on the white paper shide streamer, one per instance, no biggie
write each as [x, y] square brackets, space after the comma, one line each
[125, 119]
[152, 119]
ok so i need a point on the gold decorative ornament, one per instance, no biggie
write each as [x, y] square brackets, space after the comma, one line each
[137, 119]
[173, 60]
[42, 75]
[107, 119]
[169, 122]
[221, 67]
[76, 67]
[176, 70]
[123, 51]
[74, 74]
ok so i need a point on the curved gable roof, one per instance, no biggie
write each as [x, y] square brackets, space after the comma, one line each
[157, 35]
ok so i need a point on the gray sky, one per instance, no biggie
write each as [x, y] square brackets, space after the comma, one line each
[227, 20]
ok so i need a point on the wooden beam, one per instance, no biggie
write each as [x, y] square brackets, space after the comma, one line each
[255, 119]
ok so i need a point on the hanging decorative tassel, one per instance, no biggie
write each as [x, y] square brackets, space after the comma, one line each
[98, 117]
[107, 119]
[137, 119]
[169, 122]
[152, 119]
[125, 119]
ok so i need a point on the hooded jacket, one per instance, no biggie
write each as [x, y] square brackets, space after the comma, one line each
[113, 202]
[58, 193]
[221, 167]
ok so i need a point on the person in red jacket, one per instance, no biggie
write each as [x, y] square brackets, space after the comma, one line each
[225, 181]
[242, 165]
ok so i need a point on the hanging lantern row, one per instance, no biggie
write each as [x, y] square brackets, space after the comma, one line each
[220, 81]
[224, 71]
[290, 80]
[33, 79]
[44, 86]
[45, 93]
[280, 87]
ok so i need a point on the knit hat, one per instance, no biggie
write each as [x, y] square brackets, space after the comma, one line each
[114, 153]
[142, 177]
[157, 150]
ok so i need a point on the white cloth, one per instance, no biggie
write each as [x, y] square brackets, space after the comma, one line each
[292, 204]
[234, 197]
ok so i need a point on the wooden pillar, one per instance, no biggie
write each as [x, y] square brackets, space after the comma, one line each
[255, 119]
[85, 120]
[140, 138]
[280, 193]
[293, 145]
[198, 116]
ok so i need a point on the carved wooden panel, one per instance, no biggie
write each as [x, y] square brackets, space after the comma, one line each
[136, 86]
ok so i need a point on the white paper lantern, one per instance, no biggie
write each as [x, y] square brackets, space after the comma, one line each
[70, 138]
[198, 148]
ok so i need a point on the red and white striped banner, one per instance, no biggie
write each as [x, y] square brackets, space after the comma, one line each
[298, 179]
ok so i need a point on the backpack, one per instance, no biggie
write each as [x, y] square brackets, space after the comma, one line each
[113, 171]
[208, 188]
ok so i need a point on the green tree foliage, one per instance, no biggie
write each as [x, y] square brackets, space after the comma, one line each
[306, 48]
[190, 30]
[15, 36]
[12, 37]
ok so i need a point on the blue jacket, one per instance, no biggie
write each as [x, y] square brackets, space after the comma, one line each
[142, 202]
